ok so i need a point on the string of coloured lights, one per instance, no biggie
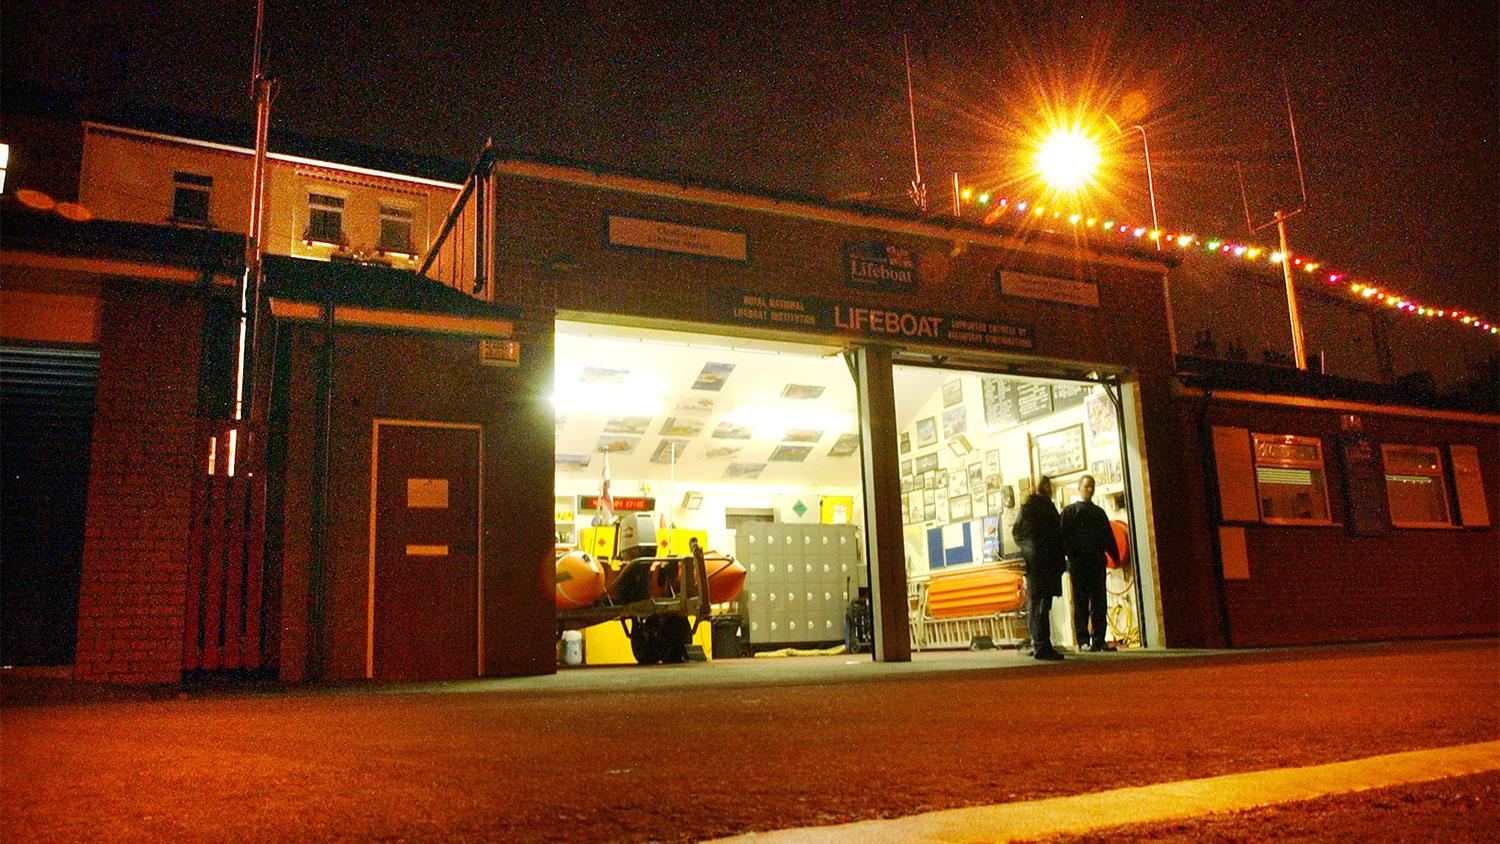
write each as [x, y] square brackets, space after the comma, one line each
[1001, 207]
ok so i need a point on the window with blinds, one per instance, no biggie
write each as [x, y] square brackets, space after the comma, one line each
[1415, 486]
[1290, 480]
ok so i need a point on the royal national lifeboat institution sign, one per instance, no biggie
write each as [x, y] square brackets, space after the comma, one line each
[880, 266]
[823, 316]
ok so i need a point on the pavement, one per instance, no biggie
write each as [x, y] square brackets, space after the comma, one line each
[951, 744]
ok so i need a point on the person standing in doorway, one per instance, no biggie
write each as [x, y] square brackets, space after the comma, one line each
[1038, 533]
[1088, 540]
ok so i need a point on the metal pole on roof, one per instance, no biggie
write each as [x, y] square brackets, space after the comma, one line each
[1279, 218]
[250, 287]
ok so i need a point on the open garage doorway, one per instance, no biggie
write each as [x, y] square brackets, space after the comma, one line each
[972, 448]
[749, 447]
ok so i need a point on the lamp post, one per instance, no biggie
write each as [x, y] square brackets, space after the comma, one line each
[1150, 183]
[1166, 286]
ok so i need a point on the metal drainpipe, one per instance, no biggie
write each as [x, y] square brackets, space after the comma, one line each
[317, 574]
[1211, 494]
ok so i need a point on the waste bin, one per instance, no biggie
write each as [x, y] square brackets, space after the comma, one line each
[729, 636]
[572, 647]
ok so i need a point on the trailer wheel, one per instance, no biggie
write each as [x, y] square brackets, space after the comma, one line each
[647, 641]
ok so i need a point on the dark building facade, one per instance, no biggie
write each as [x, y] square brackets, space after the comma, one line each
[404, 473]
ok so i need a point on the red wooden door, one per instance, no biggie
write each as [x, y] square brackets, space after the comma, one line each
[425, 607]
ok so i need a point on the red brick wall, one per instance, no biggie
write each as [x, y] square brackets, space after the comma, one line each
[1319, 584]
[130, 607]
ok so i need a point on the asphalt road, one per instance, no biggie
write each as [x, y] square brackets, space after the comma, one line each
[684, 753]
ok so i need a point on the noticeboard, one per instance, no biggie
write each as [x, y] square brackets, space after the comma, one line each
[1069, 395]
[1365, 511]
[1001, 405]
[1033, 400]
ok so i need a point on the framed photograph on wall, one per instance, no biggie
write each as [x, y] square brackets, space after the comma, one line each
[927, 431]
[1107, 471]
[953, 393]
[906, 442]
[958, 508]
[958, 482]
[955, 422]
[1061, 452]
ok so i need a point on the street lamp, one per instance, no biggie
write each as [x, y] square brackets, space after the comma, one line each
[1067, 159]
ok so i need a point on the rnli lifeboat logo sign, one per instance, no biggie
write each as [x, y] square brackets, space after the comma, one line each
[880, 266]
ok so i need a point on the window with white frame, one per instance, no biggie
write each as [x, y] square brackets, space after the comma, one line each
[1415, 486]
[190, 194]
[1290, 480]
[395, 229]
[325, 219]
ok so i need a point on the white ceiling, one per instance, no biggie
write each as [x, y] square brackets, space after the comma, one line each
[664, 368]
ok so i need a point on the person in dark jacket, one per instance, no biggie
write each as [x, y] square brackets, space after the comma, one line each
[1038, 533]
[1088, 539]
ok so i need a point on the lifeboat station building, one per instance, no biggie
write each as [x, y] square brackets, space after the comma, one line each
[851, 403]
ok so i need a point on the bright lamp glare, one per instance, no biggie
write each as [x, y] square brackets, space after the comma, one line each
[1067, 159]
[786, 418]
[639, 396]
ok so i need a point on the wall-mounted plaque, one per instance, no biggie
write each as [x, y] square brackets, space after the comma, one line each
[637, 233]
[1065, 291]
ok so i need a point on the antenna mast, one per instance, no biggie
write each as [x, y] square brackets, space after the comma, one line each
[918, 190]
[1279, 218]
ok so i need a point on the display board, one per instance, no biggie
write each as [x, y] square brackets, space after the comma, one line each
[1068, 395]
[1469, 485]
[1365, 510]
[1001, 405]
[1235, 466]
[1033, 400]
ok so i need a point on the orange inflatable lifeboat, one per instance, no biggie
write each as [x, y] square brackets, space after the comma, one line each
[726, 577]
[580, 581]
[974, 592]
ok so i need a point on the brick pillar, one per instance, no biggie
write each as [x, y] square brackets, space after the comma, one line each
[131, 593]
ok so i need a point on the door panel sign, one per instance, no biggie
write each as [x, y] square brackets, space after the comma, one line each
[426, 550]
[431, 493]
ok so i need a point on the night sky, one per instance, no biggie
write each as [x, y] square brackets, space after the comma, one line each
[1396, 107]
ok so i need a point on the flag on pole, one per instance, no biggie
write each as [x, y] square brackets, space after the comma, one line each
[606, 509]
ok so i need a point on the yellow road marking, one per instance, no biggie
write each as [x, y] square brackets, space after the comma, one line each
[1039, 820]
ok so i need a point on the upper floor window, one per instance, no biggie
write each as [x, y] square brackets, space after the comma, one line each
[1290, 480]
[325, 219]
[190, 192]
[395, 229]
[1415, 486]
